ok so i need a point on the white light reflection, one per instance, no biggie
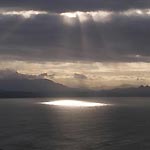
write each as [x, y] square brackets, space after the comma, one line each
[74, 103]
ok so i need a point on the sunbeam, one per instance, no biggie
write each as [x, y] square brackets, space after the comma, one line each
[11, 30]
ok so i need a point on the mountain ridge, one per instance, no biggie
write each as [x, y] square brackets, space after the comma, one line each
[24, 87]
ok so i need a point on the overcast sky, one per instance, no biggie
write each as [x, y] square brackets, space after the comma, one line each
[94, 44]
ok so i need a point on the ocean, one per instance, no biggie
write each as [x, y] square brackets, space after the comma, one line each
[28, 124]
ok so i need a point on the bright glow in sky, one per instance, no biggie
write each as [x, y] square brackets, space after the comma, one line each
[93, 13]
[84, 16]
[25, 14]
[103, 16]
[137, 12]
[97, 15]
[97, 75]
[69, 14]
[73, 103]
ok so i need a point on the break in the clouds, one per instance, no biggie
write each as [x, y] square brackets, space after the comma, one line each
[24, 13]
[102, 35]
[94, 75]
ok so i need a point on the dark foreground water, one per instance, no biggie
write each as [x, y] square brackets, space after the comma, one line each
[28, 125]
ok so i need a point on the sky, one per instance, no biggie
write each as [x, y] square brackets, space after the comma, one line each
[96, 44]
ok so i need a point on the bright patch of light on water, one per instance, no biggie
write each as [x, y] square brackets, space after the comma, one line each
[74, 103]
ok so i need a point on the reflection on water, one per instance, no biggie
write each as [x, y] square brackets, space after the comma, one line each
[74, 103]
[26, 124]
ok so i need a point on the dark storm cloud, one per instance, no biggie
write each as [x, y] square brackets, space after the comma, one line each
[49, 37]
[74, 5]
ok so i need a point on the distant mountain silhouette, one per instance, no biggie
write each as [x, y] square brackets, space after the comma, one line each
[31, 88]
[27, 87]
[30, 85]
[142, 91]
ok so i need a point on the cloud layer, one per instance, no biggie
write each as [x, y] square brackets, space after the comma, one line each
[75, 5]
[103, 31]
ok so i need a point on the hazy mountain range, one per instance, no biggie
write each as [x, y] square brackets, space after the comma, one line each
[37, 87]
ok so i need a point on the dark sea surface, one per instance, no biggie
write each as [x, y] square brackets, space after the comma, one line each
[25, 124]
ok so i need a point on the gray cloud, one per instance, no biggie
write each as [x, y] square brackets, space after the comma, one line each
[9, 74]
[51, 76]
[80, 76]
[13, 74]
[43, 75]
[46, 75]
[123, 38]
[74, 5]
